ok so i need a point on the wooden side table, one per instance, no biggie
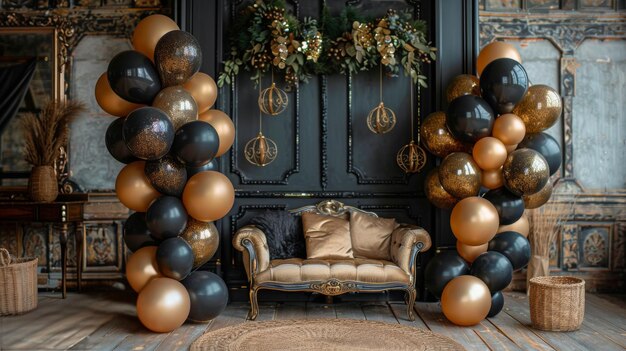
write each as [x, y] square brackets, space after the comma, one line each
[68, 209]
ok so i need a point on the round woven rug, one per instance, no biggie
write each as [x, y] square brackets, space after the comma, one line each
[322, 334]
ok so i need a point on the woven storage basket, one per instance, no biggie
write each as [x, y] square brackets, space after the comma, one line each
[42, 184]
[557, 303]
[18, 284]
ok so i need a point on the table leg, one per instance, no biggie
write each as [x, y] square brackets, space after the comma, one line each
[63, 240]
[79, 231]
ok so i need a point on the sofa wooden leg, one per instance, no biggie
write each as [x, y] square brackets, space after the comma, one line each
[254, 305]
[411, 294]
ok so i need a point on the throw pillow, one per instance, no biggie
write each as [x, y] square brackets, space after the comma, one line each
[371, 236]
[283, 231]
[326, 236]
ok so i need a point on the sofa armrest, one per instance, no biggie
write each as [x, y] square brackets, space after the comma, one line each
[251, 241]
[406, 242]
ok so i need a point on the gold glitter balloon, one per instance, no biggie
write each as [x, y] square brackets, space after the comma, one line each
[540, 108]
[463, 84]
[460, 175]
[167, 175]
[178, 104]
[203, 238]
[539, 198]
[435, 193]
[525, 172]
[437, 138]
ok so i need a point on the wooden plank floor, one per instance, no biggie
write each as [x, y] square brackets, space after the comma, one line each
[107, 321]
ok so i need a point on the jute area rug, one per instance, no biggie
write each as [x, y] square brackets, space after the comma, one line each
[322, 334]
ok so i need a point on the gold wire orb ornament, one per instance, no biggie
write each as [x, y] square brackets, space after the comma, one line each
[381, 119]
[261, 151]
[411, 158]
[273, 100]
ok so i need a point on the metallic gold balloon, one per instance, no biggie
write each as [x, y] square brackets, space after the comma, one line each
[133, 188]
[142, 267]
[203, 88]
[178, 104]
[494, 51]
[208, 196]
[466, 300]
[525, 172]
[540, 108]
[539, 198]
[474, 221]
[437, 138]
[149, 31]
[509, 128]
[492, 179]
[460, 175]
[435, 193]
[464, 84]
[489, 153]
[469, 253]
[522, 226]
[163, 305]
[224, 127]
[110, 102]
[510, 148]
[203, 238]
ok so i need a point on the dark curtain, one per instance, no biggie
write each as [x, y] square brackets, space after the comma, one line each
[14, 82]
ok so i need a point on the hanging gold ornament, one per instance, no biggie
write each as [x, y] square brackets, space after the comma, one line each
[381, 119]
[260, 151]
[411, 158]
[273, 100]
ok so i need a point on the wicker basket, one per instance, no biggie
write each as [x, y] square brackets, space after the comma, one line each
[42, 184]
[18, 284]
[557, 303]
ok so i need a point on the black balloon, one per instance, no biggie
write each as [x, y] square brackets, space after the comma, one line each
[208, 294]
[503, 84]
[115, 143]
[547, 146]
[494, 269]
[514, 246]
[469, 118]
[211, 166]
[178, 56]
[133, 77]
[174, 258]
[136, 232]
[441, 269]
[166, 217]
[167, 175]
[497, 302]
[196, 143]
[510, 206]
[148, 133]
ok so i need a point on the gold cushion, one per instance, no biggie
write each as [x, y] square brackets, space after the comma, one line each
[296, 270]
[371, 236]
[326, 236]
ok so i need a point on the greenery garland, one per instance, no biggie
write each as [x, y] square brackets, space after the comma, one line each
[265, 36]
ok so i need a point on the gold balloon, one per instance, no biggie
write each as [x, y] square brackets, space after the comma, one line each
[163, 305]
[494, 51]
[460, 175]
[178, 104]
[203, 238]
[203, 88]
[509, 128]
[522, 226]
[489, 153]
[133, 188]
[149, 31]
[469, 253]
[142, 267]
[463, 84]
[510, 148]
[525, 172]
[110, 102]
[437, 138]
[492, 179]
[435, 193]
[224, 127]
[539, 198]
[466, 300]
[474, 221]
[540, 108]
[208, 196]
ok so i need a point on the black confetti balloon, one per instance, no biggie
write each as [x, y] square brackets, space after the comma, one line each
[178, 56]
[166, 217]
[494, 269]
[547, 146]
[115, 143]
[514, 246]
[469, 118]
[208, 294]
[196, 143]
[503, 84]
[175, 258]
[167, 175]
[441, 269]
[148, 133]
[510, 206]
[133, 77]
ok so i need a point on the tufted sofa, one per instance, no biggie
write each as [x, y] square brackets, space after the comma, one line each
[332, 276]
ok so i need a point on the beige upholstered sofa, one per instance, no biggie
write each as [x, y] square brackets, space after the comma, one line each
[332, 276]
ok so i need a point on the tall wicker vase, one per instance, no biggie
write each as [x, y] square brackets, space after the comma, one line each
[42, 184]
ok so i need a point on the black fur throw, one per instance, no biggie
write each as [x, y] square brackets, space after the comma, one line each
[283, 231]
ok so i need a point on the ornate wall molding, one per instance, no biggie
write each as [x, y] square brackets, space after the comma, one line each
[324, 132]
